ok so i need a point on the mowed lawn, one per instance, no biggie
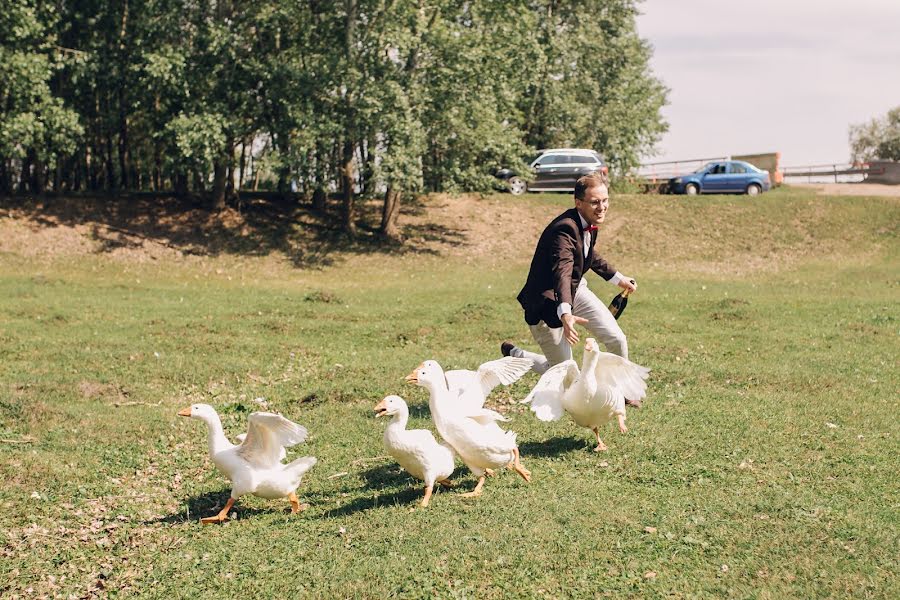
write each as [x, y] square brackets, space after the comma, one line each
[763, 464]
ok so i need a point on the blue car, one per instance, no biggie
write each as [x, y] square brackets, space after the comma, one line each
[722, 177]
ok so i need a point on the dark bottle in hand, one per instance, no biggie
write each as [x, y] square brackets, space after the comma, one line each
[618, 304]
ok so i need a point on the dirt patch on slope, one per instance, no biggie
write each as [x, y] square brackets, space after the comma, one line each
[727, 235]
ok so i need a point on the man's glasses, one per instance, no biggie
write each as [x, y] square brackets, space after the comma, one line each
[593, 203]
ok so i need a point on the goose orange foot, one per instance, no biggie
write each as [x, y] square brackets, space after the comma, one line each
[601, 447]
[518, 467]
[222, 516]
[428, 491]
[477, 491]
[295, 504]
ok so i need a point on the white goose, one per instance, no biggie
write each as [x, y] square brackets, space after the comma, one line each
[415, 450]
[473, 434]
[254, 466]
[591, 396]
[472, 387]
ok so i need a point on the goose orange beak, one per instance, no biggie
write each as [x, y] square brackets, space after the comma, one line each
[185, 412]
[413, 377]
[380, 409]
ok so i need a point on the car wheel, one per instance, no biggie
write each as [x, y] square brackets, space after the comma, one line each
[753, 189]
[517, 186]
[691, 189]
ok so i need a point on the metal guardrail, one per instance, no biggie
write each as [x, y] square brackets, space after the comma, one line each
[835, 170]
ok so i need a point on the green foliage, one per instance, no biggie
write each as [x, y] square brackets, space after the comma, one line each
[198, 139]
[408, 95]
[589, 83]
[34, 123]
[879, 139]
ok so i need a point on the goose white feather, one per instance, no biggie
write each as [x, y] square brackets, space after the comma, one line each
[473, 387]
[254, 466]
[242, 436]
[416, 450]
[593, 395]
[472, 432]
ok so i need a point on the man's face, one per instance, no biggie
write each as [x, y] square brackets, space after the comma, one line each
[595, 204]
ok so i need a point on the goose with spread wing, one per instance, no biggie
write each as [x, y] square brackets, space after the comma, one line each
[254, 466]
[472, 387]
[594, 395]
[472, 433]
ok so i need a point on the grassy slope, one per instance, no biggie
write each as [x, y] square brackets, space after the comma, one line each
[768, 443]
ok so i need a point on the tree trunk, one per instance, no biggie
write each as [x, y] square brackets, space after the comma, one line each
[389, 213]
[91, 169]
[5, 183]
[319, 199]
[242, 165]
[229, 182]
[110, 169]
[157, 150]
[218, 189]
[76, 174]
[348, 150]
[38, 180]
[320, 176]
[368, 173]
[349, 218]
[124, 153]
[180, 184]
[199, 182]
[25, 174]
[58, 176]
[157, 167]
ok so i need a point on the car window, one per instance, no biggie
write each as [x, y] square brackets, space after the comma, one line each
[581, 159]
[738, 168]
[552, 159]
[718, 170]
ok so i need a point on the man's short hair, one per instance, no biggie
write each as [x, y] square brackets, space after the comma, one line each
[595, 179]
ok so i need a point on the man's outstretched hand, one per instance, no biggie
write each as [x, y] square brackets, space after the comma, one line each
[569, 321]
[627, 283]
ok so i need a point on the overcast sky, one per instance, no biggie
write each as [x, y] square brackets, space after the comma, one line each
[772, 75]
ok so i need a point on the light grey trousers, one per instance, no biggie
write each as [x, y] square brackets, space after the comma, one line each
[601, 324]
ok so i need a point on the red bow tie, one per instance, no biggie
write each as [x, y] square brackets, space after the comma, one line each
[590, 228]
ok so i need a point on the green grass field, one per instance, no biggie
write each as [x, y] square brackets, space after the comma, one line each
[764, 463]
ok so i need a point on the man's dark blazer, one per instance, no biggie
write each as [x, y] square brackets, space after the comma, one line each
[557, 268]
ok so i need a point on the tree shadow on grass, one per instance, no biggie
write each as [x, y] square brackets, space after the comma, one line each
[209, 504]
[259, 225]
[552, 447]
